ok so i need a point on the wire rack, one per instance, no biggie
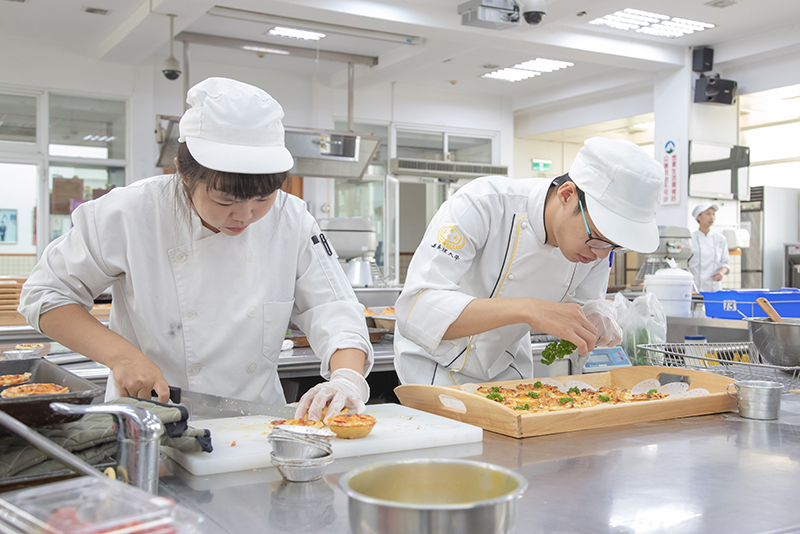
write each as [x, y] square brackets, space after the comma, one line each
[740, 361]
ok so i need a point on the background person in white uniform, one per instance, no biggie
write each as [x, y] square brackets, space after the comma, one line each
[503, 256]
[206, 268]
[710, 257]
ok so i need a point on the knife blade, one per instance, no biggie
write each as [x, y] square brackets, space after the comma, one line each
[205, 406]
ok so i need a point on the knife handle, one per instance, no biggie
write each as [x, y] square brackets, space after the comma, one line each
[174, 394]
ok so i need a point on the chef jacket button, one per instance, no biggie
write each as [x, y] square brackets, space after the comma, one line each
[524, 224]
[252, 311]
[189, 315]
[249, 255]
[180, 257]
[473, 346]
[195, 369]
[511, 276]
[251, 367]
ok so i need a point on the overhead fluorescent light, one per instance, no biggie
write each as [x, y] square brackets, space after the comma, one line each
[287, 22]
[651, 23]
[528, 69]
[543, 65]
[295, 33]
[511, 75]
[266, 50]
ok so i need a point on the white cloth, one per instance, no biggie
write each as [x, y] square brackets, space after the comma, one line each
[210, 310]
[487, 241]
[709, 255]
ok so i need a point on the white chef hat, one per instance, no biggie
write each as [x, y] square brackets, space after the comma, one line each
[703, 206]
[623, 187]
[234, 127]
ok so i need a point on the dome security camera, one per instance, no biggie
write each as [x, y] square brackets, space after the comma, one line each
[533, 10]
[171, 68]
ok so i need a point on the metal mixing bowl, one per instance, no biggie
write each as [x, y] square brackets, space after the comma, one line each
[433, 496]
[778, 343]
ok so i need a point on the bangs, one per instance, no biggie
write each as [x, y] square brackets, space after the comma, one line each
[244, 186]
[240, 186]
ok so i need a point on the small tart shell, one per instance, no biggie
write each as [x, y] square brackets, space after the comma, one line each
[351, 426]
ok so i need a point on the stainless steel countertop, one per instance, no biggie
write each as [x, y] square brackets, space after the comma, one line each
[717, 473]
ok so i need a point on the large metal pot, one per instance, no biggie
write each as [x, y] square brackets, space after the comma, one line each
[778, 343]
[433, 496]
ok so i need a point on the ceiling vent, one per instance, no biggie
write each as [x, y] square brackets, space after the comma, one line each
[17, 1]
[94, 10]
[721, 3]
[443, 169]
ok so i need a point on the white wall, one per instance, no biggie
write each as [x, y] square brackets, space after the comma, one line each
[560, 154]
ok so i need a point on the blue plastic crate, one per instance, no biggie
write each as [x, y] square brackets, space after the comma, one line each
[740, 303]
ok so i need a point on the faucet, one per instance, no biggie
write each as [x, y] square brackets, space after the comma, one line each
[138, 432]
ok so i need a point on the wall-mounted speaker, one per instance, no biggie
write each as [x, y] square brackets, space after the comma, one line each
[702, 59]
[714, 90]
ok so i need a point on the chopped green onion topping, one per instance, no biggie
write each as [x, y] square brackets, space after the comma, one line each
[523, 407]
[604, 398]
[573, 389]
[564, 400]
[495, 390]
[537, 384]
[652, 391]
[533, 395]
[495, 397]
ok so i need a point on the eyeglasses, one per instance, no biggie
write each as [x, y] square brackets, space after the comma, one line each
[596, 242]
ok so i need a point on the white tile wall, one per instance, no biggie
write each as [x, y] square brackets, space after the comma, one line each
[733, 280]
[17, 264]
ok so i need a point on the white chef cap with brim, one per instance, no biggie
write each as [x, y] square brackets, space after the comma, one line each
[703, 206]
[623, 187]
[234, 127]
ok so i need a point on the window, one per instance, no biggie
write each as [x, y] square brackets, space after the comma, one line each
[18, 118]
[769, 123]
[87, 127]
[86, 153]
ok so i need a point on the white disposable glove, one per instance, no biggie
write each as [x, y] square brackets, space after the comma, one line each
[603, 315]
[345, 388]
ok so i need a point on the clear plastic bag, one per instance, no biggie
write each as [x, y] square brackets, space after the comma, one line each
[642, 321]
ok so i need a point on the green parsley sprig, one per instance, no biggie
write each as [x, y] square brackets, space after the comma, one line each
[557, 349]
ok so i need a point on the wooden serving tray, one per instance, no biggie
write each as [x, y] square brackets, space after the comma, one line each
[474, 409]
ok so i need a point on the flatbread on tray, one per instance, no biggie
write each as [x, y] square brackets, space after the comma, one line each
[27, 390]
[13, 380]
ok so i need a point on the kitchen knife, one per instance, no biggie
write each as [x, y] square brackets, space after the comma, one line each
[205, 406]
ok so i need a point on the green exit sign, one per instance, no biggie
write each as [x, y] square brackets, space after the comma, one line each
[541, 165]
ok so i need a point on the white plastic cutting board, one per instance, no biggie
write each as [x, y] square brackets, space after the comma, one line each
[399, 428]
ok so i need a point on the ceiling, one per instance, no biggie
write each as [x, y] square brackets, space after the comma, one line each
[450, 56]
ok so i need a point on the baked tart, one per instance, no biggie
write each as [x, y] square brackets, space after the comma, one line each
[297, 422]
[351, 426]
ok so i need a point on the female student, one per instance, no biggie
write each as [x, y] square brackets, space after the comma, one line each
[206, 268]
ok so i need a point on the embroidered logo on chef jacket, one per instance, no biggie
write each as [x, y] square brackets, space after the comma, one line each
[450, 237]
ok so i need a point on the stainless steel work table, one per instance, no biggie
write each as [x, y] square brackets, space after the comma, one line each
[717, 473]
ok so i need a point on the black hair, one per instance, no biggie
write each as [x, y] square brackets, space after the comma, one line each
[561, 180]
[241, 186]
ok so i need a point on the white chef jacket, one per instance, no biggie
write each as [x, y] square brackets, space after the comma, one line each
[210, 310]
[709, 255]
[487, 241]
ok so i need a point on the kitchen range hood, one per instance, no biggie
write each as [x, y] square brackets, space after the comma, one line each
[317, 153]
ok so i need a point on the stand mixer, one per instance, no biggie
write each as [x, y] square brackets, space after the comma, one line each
[355, 241]
[675, 243]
